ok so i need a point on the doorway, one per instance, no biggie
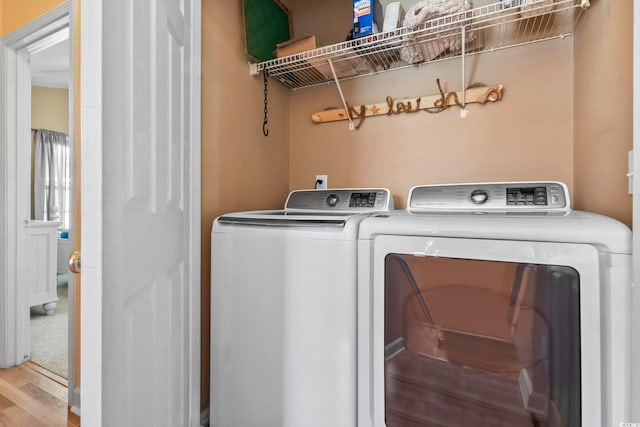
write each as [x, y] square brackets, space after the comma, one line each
[18, 51]
[51, 184]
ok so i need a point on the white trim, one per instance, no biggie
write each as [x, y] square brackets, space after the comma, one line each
[4, 300]
[91, 207]
[75, 407]
[195, 37]
[8, 232]
[73, 390]
[49, 41]
[635, 320]
[23, 202]
[12, 323]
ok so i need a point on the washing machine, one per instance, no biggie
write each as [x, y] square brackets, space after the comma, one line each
[493, 304]
[283, 311]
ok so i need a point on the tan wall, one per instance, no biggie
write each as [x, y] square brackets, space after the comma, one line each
[603, 86]
[329, 20]
[14, 14]
[241, 169]
[50, 109]
[526, 136]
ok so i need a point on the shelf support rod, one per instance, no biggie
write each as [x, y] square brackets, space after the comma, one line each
[344, 102]
[463, 42]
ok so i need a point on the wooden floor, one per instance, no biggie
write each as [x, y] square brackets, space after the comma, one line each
[33, 397]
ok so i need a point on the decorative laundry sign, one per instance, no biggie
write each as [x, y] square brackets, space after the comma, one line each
[477, 93]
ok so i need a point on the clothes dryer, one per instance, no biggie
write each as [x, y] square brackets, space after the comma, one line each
[493, 304]
[283, 311]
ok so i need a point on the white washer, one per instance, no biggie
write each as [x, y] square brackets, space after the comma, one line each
[283, 311]
[493, 304]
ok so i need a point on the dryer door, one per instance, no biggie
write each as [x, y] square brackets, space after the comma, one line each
[468, 332]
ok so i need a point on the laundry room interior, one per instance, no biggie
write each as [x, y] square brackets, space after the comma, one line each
[565, 115]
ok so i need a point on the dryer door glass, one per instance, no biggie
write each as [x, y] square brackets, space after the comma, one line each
[476, 343]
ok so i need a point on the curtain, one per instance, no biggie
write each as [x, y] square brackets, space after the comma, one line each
[52, 179]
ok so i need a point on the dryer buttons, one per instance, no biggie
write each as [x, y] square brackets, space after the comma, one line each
[527, 196]
[479, 196]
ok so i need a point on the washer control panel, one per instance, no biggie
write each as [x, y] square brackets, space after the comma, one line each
[340, 200]
[491, 197]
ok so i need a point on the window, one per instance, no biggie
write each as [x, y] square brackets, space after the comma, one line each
[62, 186]
[52, 177]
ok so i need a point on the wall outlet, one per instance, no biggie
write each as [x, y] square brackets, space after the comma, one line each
[321, 182]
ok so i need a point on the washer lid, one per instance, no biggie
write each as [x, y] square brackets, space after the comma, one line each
[517, 197]
[283, 218]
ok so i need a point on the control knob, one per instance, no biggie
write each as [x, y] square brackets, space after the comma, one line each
[332, 200]
[479, 196]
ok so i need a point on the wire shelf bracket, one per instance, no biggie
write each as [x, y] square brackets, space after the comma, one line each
[344, 102]
[464, 112]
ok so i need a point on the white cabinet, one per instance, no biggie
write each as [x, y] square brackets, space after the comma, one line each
[43, 254]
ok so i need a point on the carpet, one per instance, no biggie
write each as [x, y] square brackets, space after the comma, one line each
[49, 334]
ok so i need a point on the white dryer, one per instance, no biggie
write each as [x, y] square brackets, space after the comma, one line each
[283, 311]
[493, 305]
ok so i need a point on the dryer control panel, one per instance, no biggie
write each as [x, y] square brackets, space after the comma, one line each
[340, 200]
[491, 197]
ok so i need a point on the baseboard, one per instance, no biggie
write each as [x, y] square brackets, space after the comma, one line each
[204, 418]
[75, 401]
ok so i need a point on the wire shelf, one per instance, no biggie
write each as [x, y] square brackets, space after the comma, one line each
[486, 29]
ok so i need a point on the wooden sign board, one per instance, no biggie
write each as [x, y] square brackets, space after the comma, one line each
[266, 23]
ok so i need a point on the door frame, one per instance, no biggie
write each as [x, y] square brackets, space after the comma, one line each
[635, 175]
[15, 122]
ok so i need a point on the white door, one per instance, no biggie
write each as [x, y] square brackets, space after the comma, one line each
[140, 173]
